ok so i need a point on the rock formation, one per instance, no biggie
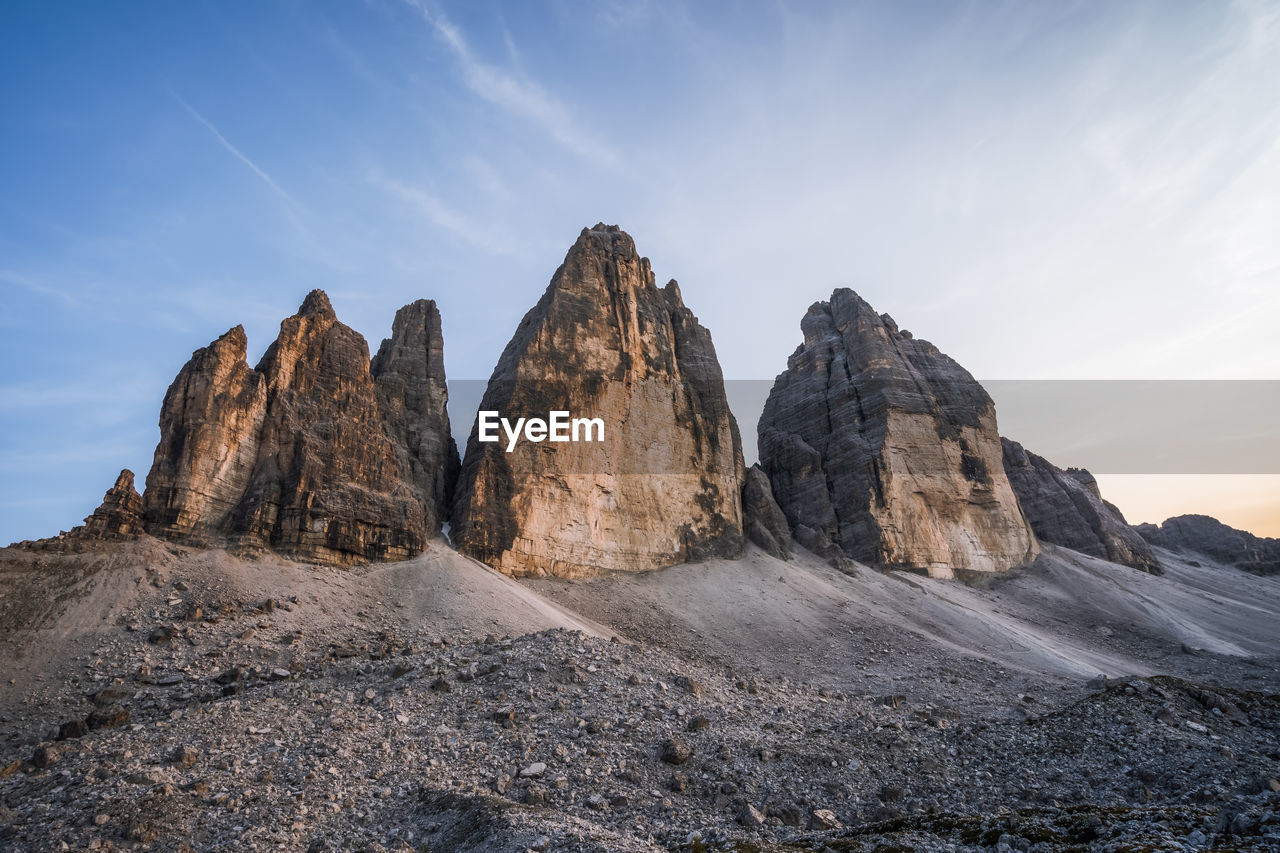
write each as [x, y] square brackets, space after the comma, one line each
[664, 485]
[314, 452]
[408, 372]
[120, 514]
[1066, 508]
[884, 450]
[763, 521]
[1201, 534]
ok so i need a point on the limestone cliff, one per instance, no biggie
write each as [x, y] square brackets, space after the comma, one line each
[310, 453]
[882, 449]
[663, 487]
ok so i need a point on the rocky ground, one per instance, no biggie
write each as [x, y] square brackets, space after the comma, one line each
[186, 700]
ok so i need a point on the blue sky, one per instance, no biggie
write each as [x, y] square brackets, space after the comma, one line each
[1045, 190]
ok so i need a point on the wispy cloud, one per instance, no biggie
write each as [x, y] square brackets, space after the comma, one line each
[31, 285]
[438, 212]
[515, 94]
[293, 204]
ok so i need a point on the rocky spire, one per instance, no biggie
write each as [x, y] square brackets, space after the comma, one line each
[663, 486]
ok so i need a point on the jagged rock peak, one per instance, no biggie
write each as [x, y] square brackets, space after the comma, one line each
[120, 514]
[307, 453]
[882, 449]
[317, 302]
[663, 487]
[1065, 507]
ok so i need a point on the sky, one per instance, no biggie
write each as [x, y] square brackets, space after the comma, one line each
[1044, 190]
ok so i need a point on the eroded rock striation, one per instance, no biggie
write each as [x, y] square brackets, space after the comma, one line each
[664, 485]
[882, 449]
[1066, 508]
[315, 452]
[1202, 534]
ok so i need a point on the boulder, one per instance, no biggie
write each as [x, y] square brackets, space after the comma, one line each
[315, 452]
[1066, 508]
[663, 486]
[1204, 535]
[882, 449]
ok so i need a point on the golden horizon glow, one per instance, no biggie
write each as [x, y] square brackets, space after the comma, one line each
[1245, 501]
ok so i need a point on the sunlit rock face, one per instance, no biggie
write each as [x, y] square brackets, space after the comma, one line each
[119, 516]
[882, 449]
[315, 452]
[1066, 508]
[663, 487]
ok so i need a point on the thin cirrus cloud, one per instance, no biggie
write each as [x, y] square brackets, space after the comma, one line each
[513, 94]
[240, 155]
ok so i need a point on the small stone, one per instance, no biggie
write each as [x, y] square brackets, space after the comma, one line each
[689, 685]
[534, 770]
[823, 819]
[184, 756]
[107, 718]
[675, 751]
[229, 676]
[101, 819]
[46, 755]
[72, 729]
[160, 636]
[750, 817]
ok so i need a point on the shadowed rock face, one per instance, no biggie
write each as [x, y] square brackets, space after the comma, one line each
[882, 449]
[1202, 534]
[1066, 508]
[763, 521]
[663, 487]
[311, 453]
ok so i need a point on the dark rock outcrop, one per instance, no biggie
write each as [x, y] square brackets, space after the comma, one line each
[1204, 535]
[763, 521]
[1066, 508]
[311, 453]
[664, 484]
[882, 449]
